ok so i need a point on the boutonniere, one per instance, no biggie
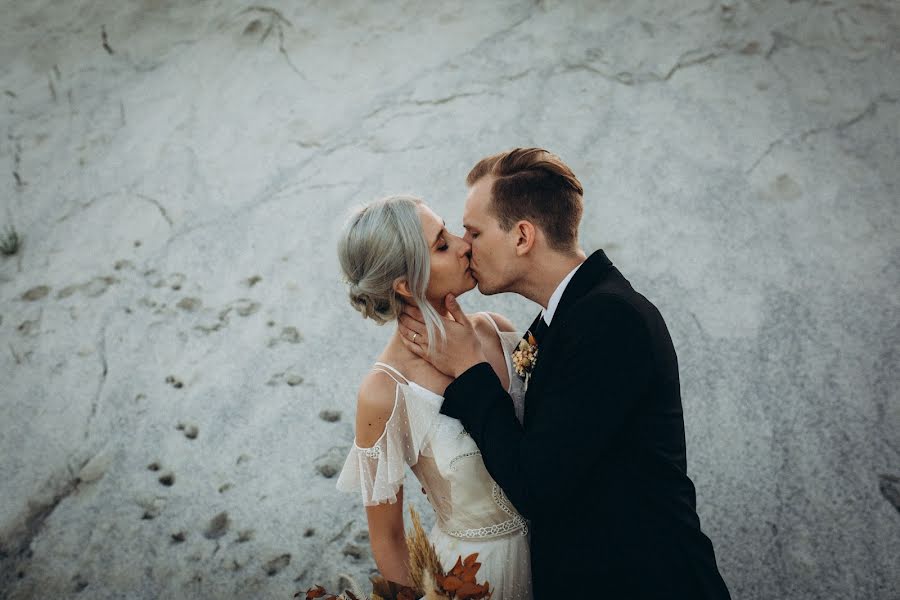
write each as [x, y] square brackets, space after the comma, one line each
[525, 357]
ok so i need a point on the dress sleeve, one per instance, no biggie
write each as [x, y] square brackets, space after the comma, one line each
[509, 343]
[509, 340]
[378, 472]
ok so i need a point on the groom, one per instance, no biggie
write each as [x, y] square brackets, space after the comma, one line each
[599, 466]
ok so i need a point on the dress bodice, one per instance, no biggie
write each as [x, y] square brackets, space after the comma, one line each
[467, 502]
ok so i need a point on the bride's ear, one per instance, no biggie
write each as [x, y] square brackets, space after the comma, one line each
[401, 287]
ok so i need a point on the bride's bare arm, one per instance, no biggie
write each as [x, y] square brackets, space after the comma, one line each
[386, 533]
[388, 540]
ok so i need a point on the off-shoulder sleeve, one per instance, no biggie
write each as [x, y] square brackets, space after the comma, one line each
[378, 472]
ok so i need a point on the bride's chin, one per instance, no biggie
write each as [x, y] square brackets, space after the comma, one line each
[468, 286]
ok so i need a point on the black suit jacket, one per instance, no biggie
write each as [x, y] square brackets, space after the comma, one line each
[599, 465]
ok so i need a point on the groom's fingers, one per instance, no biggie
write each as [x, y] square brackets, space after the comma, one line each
[413, 312]
[456, 310]
[407, 323]
[412, 346]
[412, 330]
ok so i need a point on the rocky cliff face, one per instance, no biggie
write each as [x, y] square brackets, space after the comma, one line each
[179, 362]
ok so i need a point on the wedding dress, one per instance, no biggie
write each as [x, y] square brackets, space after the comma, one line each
[472, 512]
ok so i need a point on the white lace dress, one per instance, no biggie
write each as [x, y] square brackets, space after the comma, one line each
[472, 512]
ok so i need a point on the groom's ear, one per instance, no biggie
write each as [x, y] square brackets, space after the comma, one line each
[526, 235]
[402, 288]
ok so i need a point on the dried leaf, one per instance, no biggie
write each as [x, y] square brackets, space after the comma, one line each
[382, 589]
[315, 592]
[461, 583]
[458, 567]
[407, 594]
[472, 591]
[451, 583]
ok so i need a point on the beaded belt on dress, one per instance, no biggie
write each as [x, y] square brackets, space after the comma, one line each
[514, 523]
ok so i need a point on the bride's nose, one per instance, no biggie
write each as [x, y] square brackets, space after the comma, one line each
[464, 247]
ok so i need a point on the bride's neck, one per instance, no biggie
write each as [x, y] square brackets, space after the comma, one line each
[441, 310]
[439, 307]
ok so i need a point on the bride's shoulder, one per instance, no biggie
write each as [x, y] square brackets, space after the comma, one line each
[377, 388]
[484, 322]
[374, 406]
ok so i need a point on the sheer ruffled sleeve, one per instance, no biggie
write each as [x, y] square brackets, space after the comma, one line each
[378, 472]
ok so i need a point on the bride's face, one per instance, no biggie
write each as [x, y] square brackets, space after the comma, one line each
[449, 259]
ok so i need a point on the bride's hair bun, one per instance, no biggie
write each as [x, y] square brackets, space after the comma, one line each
[371, 306]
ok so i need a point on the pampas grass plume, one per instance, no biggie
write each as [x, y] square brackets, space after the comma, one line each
[424, 563]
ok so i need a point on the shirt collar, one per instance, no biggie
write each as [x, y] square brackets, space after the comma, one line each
[548, 312]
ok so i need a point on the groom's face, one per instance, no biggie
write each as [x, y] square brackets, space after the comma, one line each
[493, 250]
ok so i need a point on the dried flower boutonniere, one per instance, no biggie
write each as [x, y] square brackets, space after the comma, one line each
[525, 357]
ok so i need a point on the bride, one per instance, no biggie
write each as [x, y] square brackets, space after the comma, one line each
[397, 251]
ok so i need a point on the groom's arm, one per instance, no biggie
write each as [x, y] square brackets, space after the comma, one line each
[599, 374]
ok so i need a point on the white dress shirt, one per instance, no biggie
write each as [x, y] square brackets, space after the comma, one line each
[548, 312]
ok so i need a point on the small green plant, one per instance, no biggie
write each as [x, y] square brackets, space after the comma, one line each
[9, 241]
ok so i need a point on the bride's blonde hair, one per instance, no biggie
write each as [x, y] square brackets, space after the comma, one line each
[382, 243]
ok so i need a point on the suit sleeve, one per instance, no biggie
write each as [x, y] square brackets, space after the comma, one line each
[599, 375]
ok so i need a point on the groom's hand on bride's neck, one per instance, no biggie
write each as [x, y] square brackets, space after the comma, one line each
[461, 349]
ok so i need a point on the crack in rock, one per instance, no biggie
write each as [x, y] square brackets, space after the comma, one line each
[866, 113]
[277, 23]
[159, 207]
[104, 370]
[690, 58]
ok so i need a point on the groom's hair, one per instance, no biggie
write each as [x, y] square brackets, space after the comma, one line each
[534, 185]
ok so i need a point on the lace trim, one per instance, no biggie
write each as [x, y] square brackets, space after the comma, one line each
[485, 532]
[373, 452]
[515, 522]
[506, 507]
[462, 456]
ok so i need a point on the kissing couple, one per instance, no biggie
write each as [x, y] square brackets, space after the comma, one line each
[558, 455]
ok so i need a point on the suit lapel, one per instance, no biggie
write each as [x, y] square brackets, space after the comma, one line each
[586, 277]
[591, 271]
[533, 327]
